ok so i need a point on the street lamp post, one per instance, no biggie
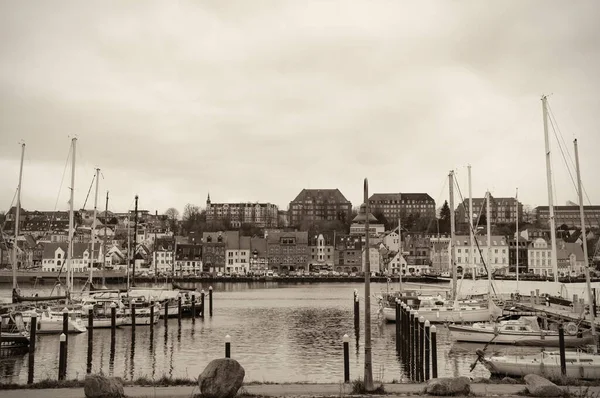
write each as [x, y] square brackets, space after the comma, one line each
[368, 377]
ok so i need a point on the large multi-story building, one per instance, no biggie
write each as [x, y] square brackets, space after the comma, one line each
[417, 249]
[288, 251]
[322, 249]
[237, 254]
[503, 211]
[188, 258]
[468, 260]
[394, 205]
[568, 215]
[440, 253]
[262, 215]
[259, 263]
[213, 252]
[318, 205]
[570, 258]
[348, 253]
[512, 255]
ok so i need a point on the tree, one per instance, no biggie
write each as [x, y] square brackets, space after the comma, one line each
[191, 212]
[445, 218]
[381, 219]
[2, 217]
[172, 217]
[482, 221]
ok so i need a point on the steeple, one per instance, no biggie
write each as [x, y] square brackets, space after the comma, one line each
[208, 199]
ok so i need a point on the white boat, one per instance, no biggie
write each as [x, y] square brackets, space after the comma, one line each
[142, 311]
[522, 331]
[102, 312]
[579, 365]
[50, 321]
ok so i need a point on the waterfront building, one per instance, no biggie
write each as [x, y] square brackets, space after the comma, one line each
[258, 260]
[348, 253]
[568, 215]
[188, 258]
[395, 205]
[391, 240]
[440, 253]
[465, 259]
[397, 264]
[55, 256]
[262, 215]
[213, 252]
[322, 250]
[237, 253]
[162, 256]
[288, 251]
[503, 211]
[417, 249]
[523, 253]
[319, 205]
[374, 260]
[570, 258]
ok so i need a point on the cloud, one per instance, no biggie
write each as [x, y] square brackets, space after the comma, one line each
[257, 101]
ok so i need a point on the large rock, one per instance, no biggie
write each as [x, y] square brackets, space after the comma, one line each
[446, 386]
[541, 387]
[222, 378]
[96, 386]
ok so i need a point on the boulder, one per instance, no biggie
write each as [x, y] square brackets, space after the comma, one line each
[97, 386]
[480, 380]
[447, 386]
[509, 380]
[222, 378]
[541, 387]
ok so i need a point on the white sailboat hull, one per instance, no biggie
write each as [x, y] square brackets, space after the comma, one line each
[54, 325]
[474, 335]
[142, 316]
[579, 365]
[444, 315]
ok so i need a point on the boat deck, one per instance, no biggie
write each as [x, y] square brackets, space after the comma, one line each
[555, 312]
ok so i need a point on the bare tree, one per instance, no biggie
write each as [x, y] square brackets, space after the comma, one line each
[172, 213]
[191, 212]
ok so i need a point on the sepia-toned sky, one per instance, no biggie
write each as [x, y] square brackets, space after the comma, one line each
[255, 100]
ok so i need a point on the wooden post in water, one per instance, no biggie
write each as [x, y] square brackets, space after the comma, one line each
[166, 313]
[151, 314]
[434, 374]
[421, 347]
[179, 309]
[65, 330]
[346, 341]
[113, 323]
[398, 322]
[90, 347]
[132, 320]
[356, 303]
[406, 312]
[32, 333]
[411, 346]
[210, 300]
[193, 307]
[427, 348]
[62, 357]
[561, 346]
[202, 294]
[227, 346]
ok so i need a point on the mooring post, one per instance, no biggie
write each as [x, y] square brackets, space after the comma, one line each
[227, 346]
[420, 347]
[62, 357]
[193, 307]
[179, 308]
[90, 340]
[434, 352]
[411, 348]
[151, 314]
[113, 322]
[561, 346]
[132, 320]
[427, 348]
[398, 322]
[202, 294]
[65, 313]
[210, 301]
[346, 340]
[166, 313]
[406, 311]
[356, 302]
[32, 333]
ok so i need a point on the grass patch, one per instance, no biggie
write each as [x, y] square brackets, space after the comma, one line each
[164, 381]
[43, 384]
[358, 387]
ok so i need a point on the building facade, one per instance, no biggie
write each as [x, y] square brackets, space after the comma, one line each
[391, 240]
[258, 260]
[503, 211]
[213, 252]
[348, 253]
[188, 258]
[568, 215]
[395, 205]
[237, 254]
[262, 215]
[440, 254]
[523, 253]
[55, 257]
[417, 249]
[288, 251]
[322, 250]
[478, 258]
[319, 205]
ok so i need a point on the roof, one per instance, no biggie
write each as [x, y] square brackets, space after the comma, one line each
[567, 208]
[245, 243]
[301, 237]
[401, 195]
[334, 195]
[260, 245]
[78, 249]
[463, 240]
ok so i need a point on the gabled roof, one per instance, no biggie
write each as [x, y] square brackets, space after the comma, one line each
[258, 244]
[333, 195]
[401, 195]
[78, 249]
[301, 237]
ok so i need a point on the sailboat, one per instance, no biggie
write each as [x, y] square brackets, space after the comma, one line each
[579, 364]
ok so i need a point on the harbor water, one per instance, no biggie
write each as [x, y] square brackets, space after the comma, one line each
[279, 333]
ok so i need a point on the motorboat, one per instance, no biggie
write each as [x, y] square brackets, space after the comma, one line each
[523, 331]
[579, 365]
[50, 321]
[169, 298]
[13, 332]
[102, 311]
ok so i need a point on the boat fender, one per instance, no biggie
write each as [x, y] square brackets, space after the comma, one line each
[571, 328]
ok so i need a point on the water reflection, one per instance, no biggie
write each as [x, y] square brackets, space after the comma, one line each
[278, 333]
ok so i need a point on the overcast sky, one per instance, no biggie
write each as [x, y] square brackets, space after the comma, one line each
[255, 100]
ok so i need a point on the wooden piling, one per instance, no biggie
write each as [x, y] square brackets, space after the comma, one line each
[227, 346]
[193, 307]
[202, 294]
[90, 347]
[179, 308]
[62, 357]
[421, 349]
[561, 346]
[434, 373]
[113, 323]
[427, 348]
[65, 330]
[32, 335]
[346, 341]
[132, 320]
[398, 323]
[356, 303]
[151, 314]
[210, 301]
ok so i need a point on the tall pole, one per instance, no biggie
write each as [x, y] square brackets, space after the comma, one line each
[368, 376]
[155, 259]
[471, 248]
[104, 250]
[400, 245]
[554, 257]
[488, 217]
[128, 249]
[71, 221]
[517, 240]
[17, 221]
[135, 218]
[585, 249]
[452, 228]
[94, 225]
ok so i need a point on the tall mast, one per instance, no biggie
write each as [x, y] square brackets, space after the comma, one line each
[554, 257]
[471, 249]
[585, 249]
[104, 243]
[452, 229]
[135, 218]
[488, 217]
[17, 221]
[517, 240]
[368, 374]
[128, 250]
[94, 225]
[71, 221]
[155, 258]
[400, 244]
